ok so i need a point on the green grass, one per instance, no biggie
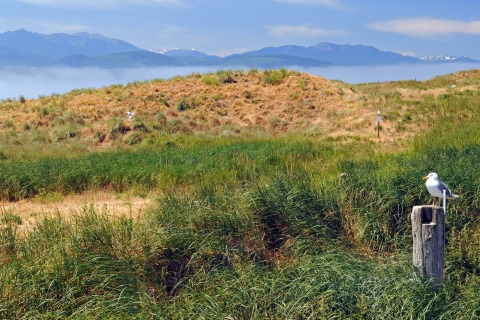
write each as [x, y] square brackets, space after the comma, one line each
[166, 166]
[250, 228]
[276, 250]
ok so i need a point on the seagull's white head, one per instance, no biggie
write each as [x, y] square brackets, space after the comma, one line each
[432, 175]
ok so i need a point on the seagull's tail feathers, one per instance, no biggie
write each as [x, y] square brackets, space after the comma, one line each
[452, 196]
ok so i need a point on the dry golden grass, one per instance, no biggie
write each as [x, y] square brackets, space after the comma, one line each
[113, 204]
[187, 104]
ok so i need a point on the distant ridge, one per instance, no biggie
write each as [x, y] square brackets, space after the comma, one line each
[25, 48]
[187, 53]
[59, 45]
[340, 54]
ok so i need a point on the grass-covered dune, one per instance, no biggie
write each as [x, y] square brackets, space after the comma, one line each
[253, 225]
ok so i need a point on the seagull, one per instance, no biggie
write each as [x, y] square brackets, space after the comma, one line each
[435, 186]
[130, 115]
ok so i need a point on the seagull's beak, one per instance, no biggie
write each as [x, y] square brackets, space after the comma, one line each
[425, 178]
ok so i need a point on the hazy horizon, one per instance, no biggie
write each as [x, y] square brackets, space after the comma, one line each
[411, 27]
[33, 82]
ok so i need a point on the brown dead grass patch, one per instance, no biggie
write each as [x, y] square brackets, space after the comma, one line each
[435, 92]
[115, 205]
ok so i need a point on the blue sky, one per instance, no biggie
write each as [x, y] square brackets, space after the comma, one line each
[414, 27]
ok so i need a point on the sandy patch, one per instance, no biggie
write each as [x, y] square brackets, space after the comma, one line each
[115, 205]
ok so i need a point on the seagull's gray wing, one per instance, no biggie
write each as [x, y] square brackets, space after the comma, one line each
[442, 186]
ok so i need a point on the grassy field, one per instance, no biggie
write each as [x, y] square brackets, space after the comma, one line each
[253, 224]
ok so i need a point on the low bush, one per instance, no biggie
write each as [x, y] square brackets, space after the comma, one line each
[116, 126]
[274, 76]
[210, 80]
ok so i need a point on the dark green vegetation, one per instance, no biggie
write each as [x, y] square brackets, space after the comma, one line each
[250, 228]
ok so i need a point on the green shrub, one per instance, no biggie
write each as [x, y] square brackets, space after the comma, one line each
[99, 136]
[73, 117]
[226, 76]
[161, 121]
[64, 132]
[183, 104]
[302, 83]
[26, 126]
[274, 76]
[253, 72]
[116, 126]
[139, 125]
[187, 103]
[10, 218]
[43, 111]
[400, 126]
[8, 124]
[51, 196]
[210, 80]
[133, 138]
[165, 102]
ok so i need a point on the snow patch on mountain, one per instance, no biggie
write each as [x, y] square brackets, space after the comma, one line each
[447, 58]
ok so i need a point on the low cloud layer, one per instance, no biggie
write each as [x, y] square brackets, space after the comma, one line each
[33, 82]
[303, 31]
[364, 74]
[426, 27]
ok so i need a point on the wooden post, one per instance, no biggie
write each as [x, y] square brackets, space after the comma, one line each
[378, 123]
[428, 227]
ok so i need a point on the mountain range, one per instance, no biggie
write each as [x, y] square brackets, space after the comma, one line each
[25, 48]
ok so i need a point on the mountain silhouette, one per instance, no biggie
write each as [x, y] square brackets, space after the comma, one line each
[25, 48]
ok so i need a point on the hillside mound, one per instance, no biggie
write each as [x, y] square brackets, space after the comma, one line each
[227, 101]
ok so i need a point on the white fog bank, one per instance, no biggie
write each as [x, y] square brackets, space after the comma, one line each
[364, 74]
[33, 82]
